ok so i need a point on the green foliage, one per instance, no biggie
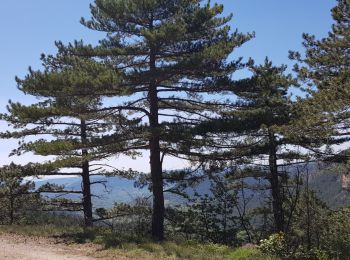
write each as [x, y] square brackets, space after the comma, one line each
[248, 252]
[278, 245]
[165, 57]
[274, 245]
[47, 224]
[253, 140]
[325, 72]
[58, 219]
[209, 217]
[165, 65]
[172, 54]
[129, 221]
[316, 232]
[336, 241]
[310, 221]
[17, 197]
[187, 250]
[67, 124]
[115, 245]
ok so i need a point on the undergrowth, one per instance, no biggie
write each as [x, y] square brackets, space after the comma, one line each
[133, 247]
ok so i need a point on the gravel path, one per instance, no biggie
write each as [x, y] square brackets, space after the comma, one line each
[14, 247]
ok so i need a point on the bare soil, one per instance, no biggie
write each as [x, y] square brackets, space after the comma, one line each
[16, 247]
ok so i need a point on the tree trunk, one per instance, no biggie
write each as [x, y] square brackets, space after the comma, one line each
[155, 155]
[157, 188]
[86, 185]
[156, 169]
[277, 206]
[308, 228]
[12, 209]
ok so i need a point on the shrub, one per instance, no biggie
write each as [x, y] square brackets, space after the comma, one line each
[337, 240]
[274, 245]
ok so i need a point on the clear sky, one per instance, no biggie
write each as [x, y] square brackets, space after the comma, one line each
[30, 27]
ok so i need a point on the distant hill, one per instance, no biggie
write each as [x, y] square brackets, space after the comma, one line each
[115, 189]
[331, 186]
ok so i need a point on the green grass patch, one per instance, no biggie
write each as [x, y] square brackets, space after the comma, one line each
[249, 253]
[187, 250]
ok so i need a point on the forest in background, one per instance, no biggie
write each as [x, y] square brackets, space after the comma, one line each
[162, 82]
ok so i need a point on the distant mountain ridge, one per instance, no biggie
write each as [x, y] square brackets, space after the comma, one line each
[114, 189]
[332, 187]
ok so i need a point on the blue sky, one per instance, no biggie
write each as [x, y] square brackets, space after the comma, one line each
[30, 27]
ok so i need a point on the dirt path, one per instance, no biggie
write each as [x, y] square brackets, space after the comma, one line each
[14, 247]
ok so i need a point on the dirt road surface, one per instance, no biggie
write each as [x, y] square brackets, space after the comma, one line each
[15, 247]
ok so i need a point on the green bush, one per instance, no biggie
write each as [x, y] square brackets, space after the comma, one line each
[274, 245]
[334, 243]
[337, 240]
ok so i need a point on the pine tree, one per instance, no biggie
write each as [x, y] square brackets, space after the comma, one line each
[265, 107]
[66, 124]
[17, 196]
[325, 70]
[170, 53]
[254, 137]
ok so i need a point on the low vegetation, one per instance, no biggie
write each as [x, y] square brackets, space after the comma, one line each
[115, 246]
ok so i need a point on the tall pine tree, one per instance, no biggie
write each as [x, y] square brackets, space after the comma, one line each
[254, 137]
[66, 123]
[171, 53]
